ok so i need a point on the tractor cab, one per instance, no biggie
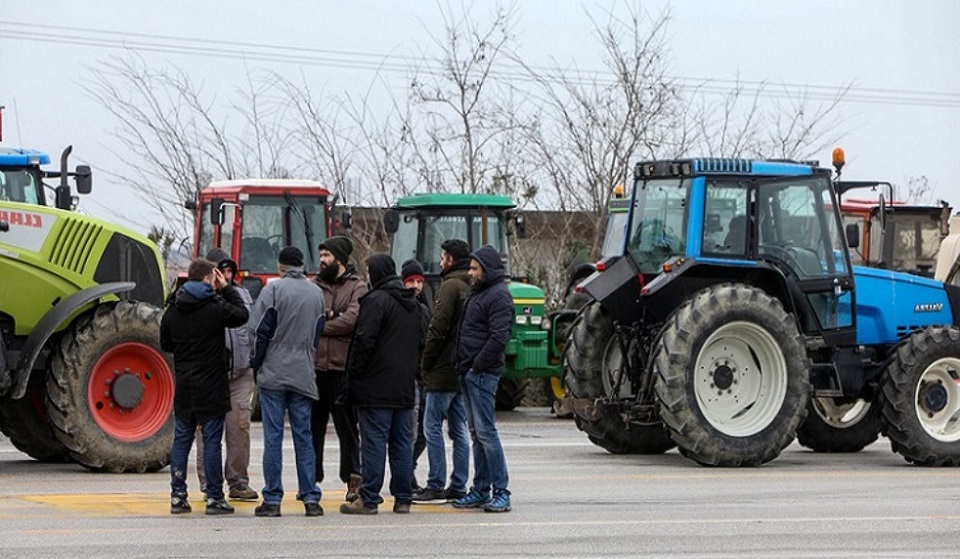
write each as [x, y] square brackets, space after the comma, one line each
[253, 219]
[21, 178]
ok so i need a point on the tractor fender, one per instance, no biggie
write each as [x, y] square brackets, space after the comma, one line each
[49, 324]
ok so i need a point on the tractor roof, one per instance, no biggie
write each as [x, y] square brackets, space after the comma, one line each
[716, 166]
[19, 156]
[448, 200]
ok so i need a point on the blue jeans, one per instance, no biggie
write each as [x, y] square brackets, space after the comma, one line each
[273, 404]
[449, 405]
[479, 397]
[383, 430]
[183, 435]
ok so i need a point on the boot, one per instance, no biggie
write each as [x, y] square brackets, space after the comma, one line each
[353, 488]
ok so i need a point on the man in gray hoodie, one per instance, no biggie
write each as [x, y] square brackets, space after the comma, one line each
[287, 321]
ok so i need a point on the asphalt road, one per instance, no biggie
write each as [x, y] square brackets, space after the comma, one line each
[570, 499]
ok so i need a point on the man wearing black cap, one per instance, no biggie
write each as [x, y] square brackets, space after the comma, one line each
[381, 373]
[287, 321]
[342, 289]
[411, 273]
[237, 426]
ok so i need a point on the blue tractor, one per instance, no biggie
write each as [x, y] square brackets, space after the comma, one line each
[731, 322]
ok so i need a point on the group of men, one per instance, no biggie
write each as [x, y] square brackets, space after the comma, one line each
[368, 353]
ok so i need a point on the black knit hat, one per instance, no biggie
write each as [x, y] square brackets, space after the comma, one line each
[411, 269]
[380, 267]
[339, 247]
[291, 256]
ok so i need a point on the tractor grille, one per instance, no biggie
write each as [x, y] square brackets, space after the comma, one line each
[721, 166]
[73, 244]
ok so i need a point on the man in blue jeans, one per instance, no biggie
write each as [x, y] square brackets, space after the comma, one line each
[441, 381]
[287, 321]
[485, 327]
[192, 328]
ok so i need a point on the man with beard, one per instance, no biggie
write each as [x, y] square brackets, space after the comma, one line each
[342, 289]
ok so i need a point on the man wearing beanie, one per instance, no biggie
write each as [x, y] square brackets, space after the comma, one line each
[441, 382]
[484, 331]
[240, 376]
[411, 273]
[287, 322]
[342, 289]
[381, 373]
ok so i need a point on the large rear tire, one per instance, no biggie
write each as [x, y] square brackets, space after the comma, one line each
[836, 426]
[592, 365]
[25, 423]
[110, 390]
[510, 393]
[921, 398]
[733, 377]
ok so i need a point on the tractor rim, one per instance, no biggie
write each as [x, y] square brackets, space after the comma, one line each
[557, 389]
[130, 392]
[613, 368]
[938, 399]
[740, 379]
[841, 416]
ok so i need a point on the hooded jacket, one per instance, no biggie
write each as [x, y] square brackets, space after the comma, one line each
[385, 349]
[438, 371]
[287, 322]
[239, 341]
[343, 298]
[192, 329]
[487, 318]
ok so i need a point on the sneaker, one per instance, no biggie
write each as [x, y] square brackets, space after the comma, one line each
[453, 494]
[357, 507]
[243, 493]
[353, 488]
[267, 509]
[428, 494]
[500, 502]
[312, 509]
[218, 506]
[472, 500]
[401, 508]
[180, 505]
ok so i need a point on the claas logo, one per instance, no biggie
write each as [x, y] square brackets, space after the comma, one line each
[21, 218]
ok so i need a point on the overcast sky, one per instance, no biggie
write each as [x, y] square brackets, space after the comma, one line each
[901, 117]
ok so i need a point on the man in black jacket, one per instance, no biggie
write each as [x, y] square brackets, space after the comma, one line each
[484, 331]
[193, 330]
[381, 374]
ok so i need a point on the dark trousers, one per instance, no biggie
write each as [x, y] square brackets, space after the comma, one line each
[332, 386]
[387, 435]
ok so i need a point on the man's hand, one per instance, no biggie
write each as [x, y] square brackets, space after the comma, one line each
[219, 282]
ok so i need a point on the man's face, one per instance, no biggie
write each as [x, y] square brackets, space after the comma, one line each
[327, 259]
[476, 272]
[415, 284]
[445, 260]
[227, 274]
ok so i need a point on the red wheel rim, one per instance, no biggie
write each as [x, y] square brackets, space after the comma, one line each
[118, 374]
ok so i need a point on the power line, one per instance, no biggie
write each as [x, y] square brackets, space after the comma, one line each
[396, 63]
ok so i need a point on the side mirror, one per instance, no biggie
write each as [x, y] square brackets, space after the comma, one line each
[216, 211]
[520, 225]
[391, 221]
[346, 219]
[190, 205]
[853, 235]
[84, 178]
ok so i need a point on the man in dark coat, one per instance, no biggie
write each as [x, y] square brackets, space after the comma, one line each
[193, 330]
[484, 331]
[381, 374]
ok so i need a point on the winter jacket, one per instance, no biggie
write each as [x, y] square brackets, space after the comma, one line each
[343, 298]
[239, 341]
[287, 322]
[385, 350]
[487, 318]
[192, 329]
[437, 365]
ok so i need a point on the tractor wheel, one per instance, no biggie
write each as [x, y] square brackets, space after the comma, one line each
[832, 426]
[592, 364]
[510, 393]
[733, 377]
[110, 390]
[921, 398]
[25, 423]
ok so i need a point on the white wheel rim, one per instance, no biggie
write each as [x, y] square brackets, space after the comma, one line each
[937, 399]
[841, 416]
[740, 379]
[613, 369]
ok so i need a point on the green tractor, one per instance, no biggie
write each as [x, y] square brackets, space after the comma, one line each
[82, 376]
[421, 222]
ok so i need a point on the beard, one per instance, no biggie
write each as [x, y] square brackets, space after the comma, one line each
[329, 273]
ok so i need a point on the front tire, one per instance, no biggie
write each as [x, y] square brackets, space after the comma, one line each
[921, 398]
[593, 362]
[25, 423]
[733, 377]
[510, 393]
[110, 390]
[836, 426]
